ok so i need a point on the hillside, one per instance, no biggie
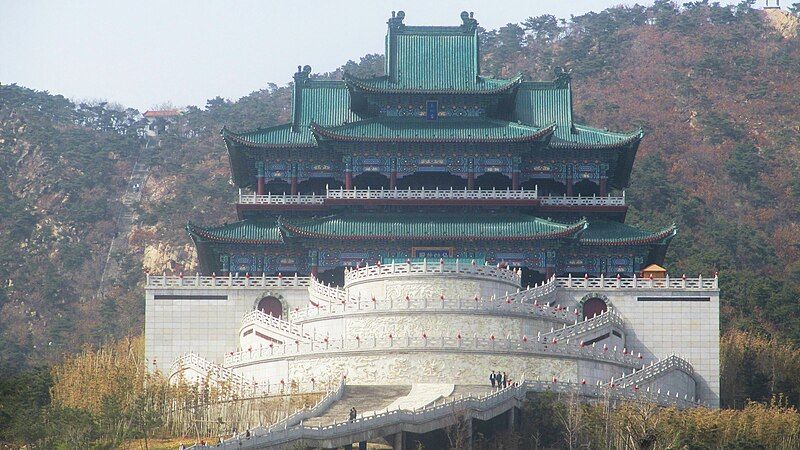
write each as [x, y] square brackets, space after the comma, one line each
[715, 88]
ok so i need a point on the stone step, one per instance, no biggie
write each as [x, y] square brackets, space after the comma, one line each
[363, 398]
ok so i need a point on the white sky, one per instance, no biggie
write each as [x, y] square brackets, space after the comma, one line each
[144, 52]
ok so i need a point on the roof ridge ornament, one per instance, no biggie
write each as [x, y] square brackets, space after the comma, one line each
[470, 24]
[563, 77]
[396, 21]
[302, 73]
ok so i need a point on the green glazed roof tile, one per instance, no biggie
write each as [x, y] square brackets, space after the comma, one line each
[455, 129]
[430, 226]
[277, 136]
[242, 232]
[615, 233]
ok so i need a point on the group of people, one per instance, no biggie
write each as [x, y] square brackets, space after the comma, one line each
[499, 379]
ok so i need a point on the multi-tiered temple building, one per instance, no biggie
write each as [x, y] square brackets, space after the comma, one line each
[432, 160]
[446, 208]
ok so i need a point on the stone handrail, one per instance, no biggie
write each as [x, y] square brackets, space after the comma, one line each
[226, 281]
[457, 344]
[201, 365]
[579, 200]
[432, 268]
[331, 396]
[609, 317]
[281, 199]
[238, 384]
[654, 370]
[699, 283]
[261, 318]
[318, 290]
[465, 408]
[434, 194]
[430, 194]
[505, 306]
[535, 293]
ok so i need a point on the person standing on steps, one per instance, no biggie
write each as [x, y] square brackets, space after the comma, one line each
[505, 380]
[492, 378]
[499, 379]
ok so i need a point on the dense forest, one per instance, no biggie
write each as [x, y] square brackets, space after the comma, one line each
[715, 88]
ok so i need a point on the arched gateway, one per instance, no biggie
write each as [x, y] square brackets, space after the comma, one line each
[270, 305]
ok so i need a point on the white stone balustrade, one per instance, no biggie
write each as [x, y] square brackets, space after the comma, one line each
[451, 344]
[226, 281]
[257, 317]
[432, 268]
[237, 384]
[498, 307]
[700, 283]
[654, 370]
[445, 412]
[429, 195]
[321, 292]
[608, 317]
[579, 200]
[433, 194]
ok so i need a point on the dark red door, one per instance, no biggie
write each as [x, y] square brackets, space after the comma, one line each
[271, 305]
[593, 306]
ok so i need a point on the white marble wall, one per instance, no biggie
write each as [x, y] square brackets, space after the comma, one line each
[416, 286]
[689, 329]
[207, 327]
[415, 323]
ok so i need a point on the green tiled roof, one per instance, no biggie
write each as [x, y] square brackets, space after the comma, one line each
[615, 233]
[434, 84]
[454, 129]
[539, 103]
[325, 102]
[277, 136]
[430, 226]
[587, 137]
[542, 103]
[242, 232]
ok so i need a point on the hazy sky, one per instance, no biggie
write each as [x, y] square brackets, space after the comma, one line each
[142, 53]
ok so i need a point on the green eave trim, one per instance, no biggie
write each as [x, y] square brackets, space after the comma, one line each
[383, 85]
[455, 130]
[383, 226]
[608, 233]
[587, 138]
[280, 136]
[242, 232]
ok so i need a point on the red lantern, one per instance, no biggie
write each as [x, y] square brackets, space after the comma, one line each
[458, 336]
[390, 336]
[586, 276]
[555, 341]
[407, 298]
[180, 275]
[424, 336]
[280, 276]
[583, 382]
[582, 344]
[247, 275]
[249, 349]
[441, 296]
[524, 338]
[555, 380]
[271, 345]
[358, 338]
[373, 299]
[491, 337]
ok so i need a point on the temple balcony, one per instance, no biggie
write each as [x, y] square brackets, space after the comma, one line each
[429, 197]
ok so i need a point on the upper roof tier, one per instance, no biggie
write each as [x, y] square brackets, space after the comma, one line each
[438, 66]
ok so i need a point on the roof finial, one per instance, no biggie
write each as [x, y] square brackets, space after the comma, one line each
[396, 21]
[470, 24]
[563, 77]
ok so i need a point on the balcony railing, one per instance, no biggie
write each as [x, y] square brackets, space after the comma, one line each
[700, 283]
[228, 281]
[429, 195]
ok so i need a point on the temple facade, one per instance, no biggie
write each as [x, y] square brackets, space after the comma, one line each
[430, 160]
[431, 224]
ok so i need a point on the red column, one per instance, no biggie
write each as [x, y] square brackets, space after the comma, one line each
[515, 180]
[393, 174]
[603, 188]
[569, 186]
[294, 180]
[260, 188]
[471, 175]
[348, 174]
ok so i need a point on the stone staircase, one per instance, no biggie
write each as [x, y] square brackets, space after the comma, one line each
[364, 398]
